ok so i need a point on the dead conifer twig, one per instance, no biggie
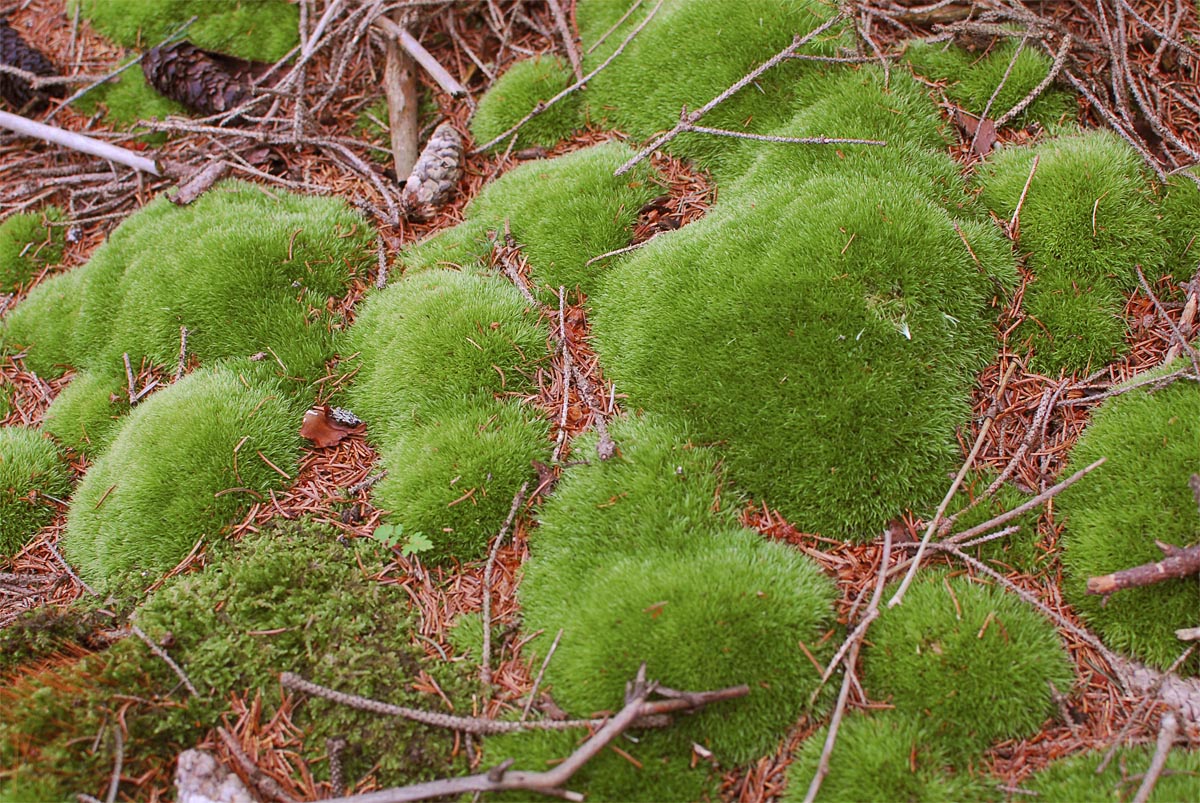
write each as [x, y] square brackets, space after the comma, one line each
[987, 109]
[1149, 698]
[486, 660]
[1180, 339]
[114, 782]
[167, 659]
[78, 142]
[267, 786]
[183, 335]
[537, 681]
[1060, 58]
[564, 31]
[1167, 731]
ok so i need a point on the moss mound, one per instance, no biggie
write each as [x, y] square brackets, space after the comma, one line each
[733, 611]
[85, 414]
[971, 79]
[30, 466]
[27, 245]
[186, 462]
[455, 476]
[1114, 516]
[969, 662]
[881, 757]
[522, 87]
[262, 606]
[245, 272]
[251, 29]
[827, 343]
[1074, 779]
[1087, 221]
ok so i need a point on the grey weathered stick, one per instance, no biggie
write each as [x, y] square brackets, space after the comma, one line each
[114, 782]
[422, 56]
[537, 681]
[564, 30]
[168, 660]
[400, 87]
[1167, 731]
[486, 661]
[78, 142]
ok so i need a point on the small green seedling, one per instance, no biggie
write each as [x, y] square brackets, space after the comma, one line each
[392, 536]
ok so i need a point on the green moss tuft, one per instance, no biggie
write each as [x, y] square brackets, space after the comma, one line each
[454, 477]
[524, 85]
[968, 661]
[30, 466]
[251, 29]
[732, 611]
[827, 343]
[186, 462]
[27, 245]
[1074, 779]
[971, 79]
[84, 416]
[1114, 516]
[47, 317]
[129, 100]
[881, 757]
[1180, 210]
[1021, 550]
[1072, 328]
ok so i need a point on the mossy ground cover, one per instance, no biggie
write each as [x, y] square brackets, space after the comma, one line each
[28, 245]
[30, 467]
[523, 86]
[1075, 780]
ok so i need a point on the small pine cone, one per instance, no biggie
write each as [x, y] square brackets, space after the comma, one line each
[436, 173]
[194, 77]
[16, 52]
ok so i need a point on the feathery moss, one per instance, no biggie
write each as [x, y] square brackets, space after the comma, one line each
[186, 462]
[85, 414]
[968, 661]
[30, 466]
[522, 87]
[828, 343]
[886, 756]
[435, 336]
[1180, 210]
[245, 272]
[731, 611]
[1074, 779]
[971, 79]
[454, 477]
[251, 29]
[27, 245]
[1114, 516]
[1070, 327]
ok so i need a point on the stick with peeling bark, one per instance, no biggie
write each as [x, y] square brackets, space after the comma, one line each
[1179, 562]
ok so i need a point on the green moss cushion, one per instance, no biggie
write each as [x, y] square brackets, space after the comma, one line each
[30, 466]
[1074, 779]
[523, 86]
[971, 662]
[1115, 514]
[27, 245]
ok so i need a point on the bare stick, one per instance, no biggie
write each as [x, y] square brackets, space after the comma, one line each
[422, 56]
[724, 132]
[566, 352]
[183, 333]
[168, 660]
[78, 142]
[114, 782]
[687, 118]
[898, 597]
[1149, 698]
[267, 786]
[1179, 562]
[560, 22]
[1167, 731]
[1014, 225]
[615, 25]
[201, 182]
[575, 87]
[987, 109]
[1162, 313]
[537, 681]
[486, 668]
[381, 260]
[1060, 58]
[67, 568]
[400, 86]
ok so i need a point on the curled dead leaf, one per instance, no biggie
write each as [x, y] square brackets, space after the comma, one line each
[328, 426]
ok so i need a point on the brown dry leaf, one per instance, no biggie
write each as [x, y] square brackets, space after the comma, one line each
[980, 133]
[324, 428]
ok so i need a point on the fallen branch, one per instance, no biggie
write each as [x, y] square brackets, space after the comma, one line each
[400, 87]
[486, 661]
[1179, 562]
[78, 142]
[422, 56]
[1167, 731]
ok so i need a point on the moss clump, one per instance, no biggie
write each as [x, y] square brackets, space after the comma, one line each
[881, 757]
[969, 662]
[663, 771]
[251, 29]
[27, 245]
[84, 416]
[971, 79]
[183, 464]
[245, 272]
[562, 212]
[455, 476]
[1021, 550]
[30, 467]
[435, 336]
[732, 611]
[1074, 779]
[129, 100]
[827, 343]
[1087, 221]
[1115, 515]
[522, 87]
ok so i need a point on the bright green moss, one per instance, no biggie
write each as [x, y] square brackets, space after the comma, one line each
[663, 772]
[660, 493]
[439, 335]
[732, 611]
[522, 87]
[971, 79]
[85, 414]
[27, 245]
[128, 100]
[1072, 328]
[1114, 516]
[264, 30]
[827, 343]
[881, 757]
[1074, 779]
[455, 476]
[668, 66]
[1021, 550]
[1180, 210]
[30, 466]
[185, 463]
[244, 271]
[970, 662]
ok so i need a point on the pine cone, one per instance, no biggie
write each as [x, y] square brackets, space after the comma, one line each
[436, 173]
[200, 80]
[16, 52]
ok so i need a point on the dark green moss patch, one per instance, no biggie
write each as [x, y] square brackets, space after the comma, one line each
[28, 245]
[1114, 516]
[522, 87]
[30, 467]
